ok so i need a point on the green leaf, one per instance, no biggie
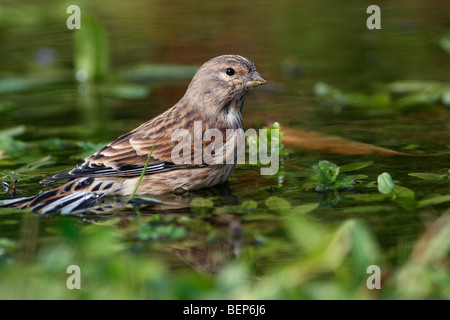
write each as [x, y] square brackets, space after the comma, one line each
[343, 181]
[277, 204]
[433, 201]
[359, 176]
[365, 250]
[304, 208]
[404, 197]
[330, 178]
[428, 176]
[327, 171]
[309, 235]
[142, 174]
[385, 183]
[411, 86]
[355, 166]
[403, 192]
[249, 205]
[417, 99]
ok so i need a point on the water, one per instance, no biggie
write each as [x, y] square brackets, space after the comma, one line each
[295, 44]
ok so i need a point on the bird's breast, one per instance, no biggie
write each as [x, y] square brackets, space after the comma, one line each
[234, 119]
[234, 115]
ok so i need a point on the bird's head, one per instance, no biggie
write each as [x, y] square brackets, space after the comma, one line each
[224, 79]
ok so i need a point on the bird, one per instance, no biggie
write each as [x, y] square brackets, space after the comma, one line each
[213, 101]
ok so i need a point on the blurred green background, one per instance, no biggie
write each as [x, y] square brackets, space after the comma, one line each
[263, 237]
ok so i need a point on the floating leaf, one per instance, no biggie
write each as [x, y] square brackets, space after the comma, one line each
[411, 86]
[403, 192]
[433, 201]
[359, 176]
[385, 183]
[428, 176]
[343, 181]
[304, 208]
[355, 166]
[249, 205]
[418, 99]
[330, 178]
[404, 197]
[277, 204]
[245, 207]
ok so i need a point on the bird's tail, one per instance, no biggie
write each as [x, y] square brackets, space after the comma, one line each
[56, 200]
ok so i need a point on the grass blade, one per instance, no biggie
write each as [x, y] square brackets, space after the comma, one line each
[142, 174]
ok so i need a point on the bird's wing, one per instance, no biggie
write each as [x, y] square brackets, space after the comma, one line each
[127, 155]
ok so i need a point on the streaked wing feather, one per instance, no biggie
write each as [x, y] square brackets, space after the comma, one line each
[126, 156]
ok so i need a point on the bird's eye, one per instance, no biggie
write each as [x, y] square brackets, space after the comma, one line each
[230, 71]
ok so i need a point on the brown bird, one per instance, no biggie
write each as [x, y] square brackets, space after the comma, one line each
[213, 101]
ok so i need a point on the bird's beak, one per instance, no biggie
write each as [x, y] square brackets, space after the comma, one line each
[255, 80]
